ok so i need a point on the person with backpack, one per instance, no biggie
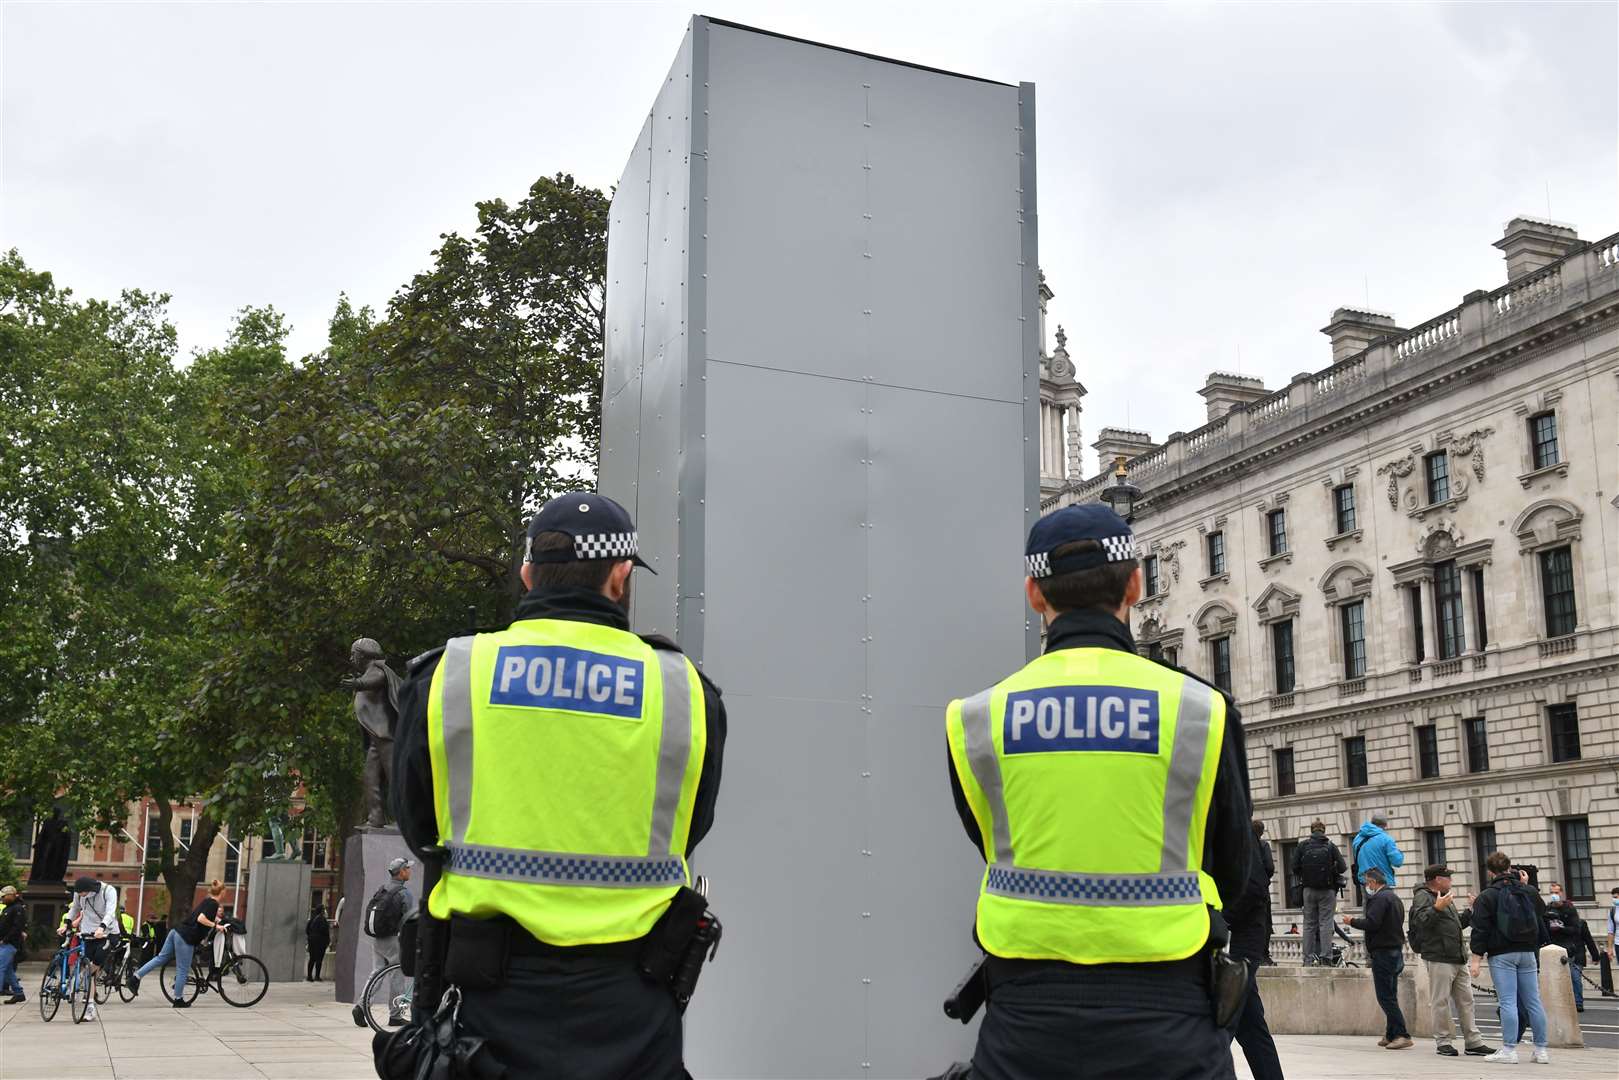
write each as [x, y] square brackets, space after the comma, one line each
[1509, 927]
[1436, 935]
[1383, 920]
[1320, 867]
[1569, 932]
[1374, 847]
[384, 915]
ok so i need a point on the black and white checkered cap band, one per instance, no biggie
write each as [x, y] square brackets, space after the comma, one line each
[619, 545]
[1114, 549]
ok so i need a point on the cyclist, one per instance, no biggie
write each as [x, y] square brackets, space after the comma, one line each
[182, 942]
[94, 913]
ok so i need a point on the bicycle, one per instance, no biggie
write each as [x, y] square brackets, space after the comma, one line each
[375, 1007]
[240, 978]
[70, 969]
[115, 972]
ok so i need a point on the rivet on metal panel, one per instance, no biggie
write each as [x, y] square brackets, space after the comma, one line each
[866, 216]
[865, 914]
[866, 166]
[866, 852]
[865, 254]
[865, 86]
[866, 775]
[866, 124]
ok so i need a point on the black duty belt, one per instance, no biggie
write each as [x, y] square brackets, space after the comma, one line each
[522, 943]
[1194, 969]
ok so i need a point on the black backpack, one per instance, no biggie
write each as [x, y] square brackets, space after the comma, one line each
[1315, 864]
[385, 911]
[1516, 922]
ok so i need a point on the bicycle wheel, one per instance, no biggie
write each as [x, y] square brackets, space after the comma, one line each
[126, 968]
[78, 997]
[50, 991]
[243, 981]
[165, 978]
[101, 981]
[375, 1007]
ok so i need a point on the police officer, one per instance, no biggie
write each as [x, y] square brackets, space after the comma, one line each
[568, 767]
[1108, 794]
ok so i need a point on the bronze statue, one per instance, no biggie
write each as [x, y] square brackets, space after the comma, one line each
[51, 851]
[376, 707]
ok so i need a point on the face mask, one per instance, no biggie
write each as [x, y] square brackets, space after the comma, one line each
[1556, 898]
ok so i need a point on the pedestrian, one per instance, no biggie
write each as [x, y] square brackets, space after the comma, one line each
[318, 933]
[1374, 847]
[1319, 867]
[1383, 920]
[1268, 861]
[1437, 923]
[1607, 950]
[590, 740]
[1509, 927]
[1569, 931]
[181, 943]
[384, 915]
[1108, 795]
[94, 914]
[1293, 929]
[1248, 916]
[13, 936]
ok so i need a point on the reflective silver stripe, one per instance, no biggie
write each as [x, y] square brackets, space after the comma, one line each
[1094, 890]
[674, 750]
[455, 710]
[1185, 771]
[986, 767]
[567, 868]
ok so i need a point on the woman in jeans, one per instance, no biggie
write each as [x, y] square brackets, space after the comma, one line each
[182, 942]
[1509, 926]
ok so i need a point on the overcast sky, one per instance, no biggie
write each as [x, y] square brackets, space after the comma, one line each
[1214, 178]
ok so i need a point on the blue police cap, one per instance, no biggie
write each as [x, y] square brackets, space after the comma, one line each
[1082, 521]
[601, 529]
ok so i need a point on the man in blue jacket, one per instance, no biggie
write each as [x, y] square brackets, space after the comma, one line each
[1374, 847]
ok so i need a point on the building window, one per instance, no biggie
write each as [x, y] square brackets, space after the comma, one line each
[1436, 468]
[1172, 656]
[1216, 554]
[1481, 625]
[155, 837]
[1353, 619]
[314, 849]
[1292, 886]
[20, 839]
[1543, 437]
[1355, 761]
[1281, 640]
[1428, 751]
[1433, 846]
[1557, 586]
[1155, 651]
[1220, 662]
[267, 848]
[1564, 722]
[1149, 574]
[1575, 835]
[1276, 528]
[1284, 772]
[233, 860]
[1478, 745]
[1447, 583]
[1483, 845]
[1420, 650]
[1343, 508]
[185, 834]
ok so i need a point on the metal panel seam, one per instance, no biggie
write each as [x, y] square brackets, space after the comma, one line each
[1029, 217]
[691, 554]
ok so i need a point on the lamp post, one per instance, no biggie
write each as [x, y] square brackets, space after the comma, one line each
[1122, 494]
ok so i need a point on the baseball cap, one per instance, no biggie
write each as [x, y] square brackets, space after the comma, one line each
[1082, 521]
[601, 529]
[86, 884]
[399, 864]
[7, 892]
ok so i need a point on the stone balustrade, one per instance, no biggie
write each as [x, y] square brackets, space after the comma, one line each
[1430, 335]
[1527, 292]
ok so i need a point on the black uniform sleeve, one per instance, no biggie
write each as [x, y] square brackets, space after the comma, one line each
[1228, 836]
[413, 766]
[963, 811]
[708, 784]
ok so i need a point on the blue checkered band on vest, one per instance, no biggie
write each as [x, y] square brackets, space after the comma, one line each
[563, 868]
[1098, 890]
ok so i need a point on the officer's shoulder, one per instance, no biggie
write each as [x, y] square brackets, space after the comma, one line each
[423, 662]
[666, 644]
[1230, 702]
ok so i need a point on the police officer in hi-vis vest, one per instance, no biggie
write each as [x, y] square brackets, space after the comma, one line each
[567, 768]
[1108, 794]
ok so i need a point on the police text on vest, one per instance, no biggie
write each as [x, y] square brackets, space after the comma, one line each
[1116, 718]
[558, 677]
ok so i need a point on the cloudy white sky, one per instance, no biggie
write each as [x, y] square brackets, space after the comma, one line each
[1214, 178]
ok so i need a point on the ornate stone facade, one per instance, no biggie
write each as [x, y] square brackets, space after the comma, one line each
[1406, 568]
[1060, 392]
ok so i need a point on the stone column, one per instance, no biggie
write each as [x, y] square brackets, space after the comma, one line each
[1431, 619]
[1557, 998]
[1469, 628]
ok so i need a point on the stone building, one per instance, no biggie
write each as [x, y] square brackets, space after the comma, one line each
[1060, 392]
[1405, 567]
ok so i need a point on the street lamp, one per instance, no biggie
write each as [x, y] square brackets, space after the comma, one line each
[1122, 495]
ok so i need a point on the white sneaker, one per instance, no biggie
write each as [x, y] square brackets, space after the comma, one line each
[1541, 1057]
[90, 1014]
[1507, 1055]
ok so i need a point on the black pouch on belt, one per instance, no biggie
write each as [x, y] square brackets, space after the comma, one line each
[666, 945]
[479, 950]
[1228, 986]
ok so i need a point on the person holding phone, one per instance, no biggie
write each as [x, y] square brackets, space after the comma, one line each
[1437, 922]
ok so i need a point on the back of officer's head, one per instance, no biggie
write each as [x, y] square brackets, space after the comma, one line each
[1103, 588]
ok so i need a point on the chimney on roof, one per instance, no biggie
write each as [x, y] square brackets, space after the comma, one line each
[1530, 243]
[1352, 329]
[1225, 391]
[1115, 443]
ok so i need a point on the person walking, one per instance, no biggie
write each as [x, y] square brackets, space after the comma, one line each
[181, 944]
[1319, 867]
[1569, 932]
[1436, 932]
[13, 936]
[1268, 862]
[318, 934]
[94, 914]
[590, 740]
[1108, 795]
[1509, 928]
[383, 917]
[1374, 848]
[1249, 919]
[1607, 948]
[1384, 923]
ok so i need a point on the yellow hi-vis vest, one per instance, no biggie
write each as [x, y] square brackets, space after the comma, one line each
[1090, 774]
[565, 765]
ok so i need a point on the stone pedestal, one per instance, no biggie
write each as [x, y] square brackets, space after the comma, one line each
[278, 902]
[366, 856]
[1330, 1001]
